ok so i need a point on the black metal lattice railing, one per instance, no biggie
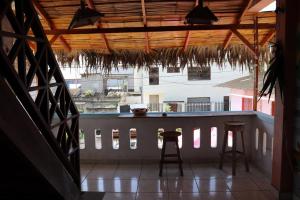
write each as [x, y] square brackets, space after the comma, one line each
[28, 64]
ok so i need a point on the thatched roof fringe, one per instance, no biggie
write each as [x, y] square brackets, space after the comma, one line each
[238, 56]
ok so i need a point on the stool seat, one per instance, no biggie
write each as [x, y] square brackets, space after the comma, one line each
[170, 136]
[235, 127]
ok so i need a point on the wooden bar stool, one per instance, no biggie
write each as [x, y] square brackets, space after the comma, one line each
[235, 127]
[170, 136]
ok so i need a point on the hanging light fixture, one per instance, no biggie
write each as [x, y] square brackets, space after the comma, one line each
[84, 16]
[200, 15]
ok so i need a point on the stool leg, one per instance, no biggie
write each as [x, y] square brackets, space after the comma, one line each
[179, 158]
[223, 148]
[162, 157]
[233, 152]
[244, 152]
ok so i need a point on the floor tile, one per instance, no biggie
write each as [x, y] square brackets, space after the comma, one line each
[110, 185]
[217, 196]
[101, 174]
[174, 172]
[152, 174]
[153, 186]
[102, 171]
[262, 183]
[152, 196]
[128, 171]
[251, 195]
[85, 169]
[212, 185]
[241, 184]
[184, 196]
[200, 181]
[119, 196]
[208, 173]
[182, 185]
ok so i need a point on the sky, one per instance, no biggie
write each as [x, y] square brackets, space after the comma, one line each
[270, 7]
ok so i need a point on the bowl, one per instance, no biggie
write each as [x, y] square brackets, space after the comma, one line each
[139, 111]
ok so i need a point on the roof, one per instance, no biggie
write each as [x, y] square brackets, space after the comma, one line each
[146, 25]
[243, 83]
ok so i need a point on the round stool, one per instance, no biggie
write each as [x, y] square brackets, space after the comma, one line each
[235, 127]
[170, 136]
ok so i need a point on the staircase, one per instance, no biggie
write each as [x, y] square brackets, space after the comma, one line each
[40, 156]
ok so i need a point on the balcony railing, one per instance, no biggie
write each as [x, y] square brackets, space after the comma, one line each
[189, 107]
[117, 137]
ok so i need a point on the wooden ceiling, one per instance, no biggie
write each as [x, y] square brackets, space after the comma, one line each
[145, 14]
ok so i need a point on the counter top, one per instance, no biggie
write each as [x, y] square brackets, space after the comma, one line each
[187, 114]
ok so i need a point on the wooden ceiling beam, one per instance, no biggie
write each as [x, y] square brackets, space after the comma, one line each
[186, 41]
[157, 29]
[188, 34]
[64, 43]
[237, 22]
[267, 37]
[53, 39]
[91, 5]
[244, 41]
[41, 11]
[32, 45]
[147, 43]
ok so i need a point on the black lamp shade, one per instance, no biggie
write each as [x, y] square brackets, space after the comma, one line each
[201, 15]
[84, 16]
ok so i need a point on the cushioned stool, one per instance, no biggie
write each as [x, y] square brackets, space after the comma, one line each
[235, 127]
[170, 136]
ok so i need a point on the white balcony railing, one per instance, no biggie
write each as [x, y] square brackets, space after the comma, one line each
[121, 137]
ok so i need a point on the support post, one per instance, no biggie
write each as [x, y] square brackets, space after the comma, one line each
[285, 111]
[256, 68]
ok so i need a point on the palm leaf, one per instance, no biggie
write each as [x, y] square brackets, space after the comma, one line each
[274, 74]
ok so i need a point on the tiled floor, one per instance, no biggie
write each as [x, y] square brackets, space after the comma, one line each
[200, 181]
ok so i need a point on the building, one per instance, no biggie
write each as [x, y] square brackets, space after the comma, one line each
[241, 95]
[160, 88]
[100, 92]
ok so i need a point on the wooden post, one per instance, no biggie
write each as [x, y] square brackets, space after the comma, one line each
[255, 72]
[285, 111]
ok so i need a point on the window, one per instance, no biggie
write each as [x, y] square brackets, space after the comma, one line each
[264, 143]
[133, 138]
[196, 104]
[226, 103]
[173, 106]
[229, 141]
[154, 76]
[81, 139]
[198, 73]
[213, 137]
[98, 140]
[179, 137]
[160, 138]
[197, 136]
[256, 138]
[246, 104]
[115, 138]
[154, 103]
[173, 69]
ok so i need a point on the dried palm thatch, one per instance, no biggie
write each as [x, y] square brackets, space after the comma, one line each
[238, 56]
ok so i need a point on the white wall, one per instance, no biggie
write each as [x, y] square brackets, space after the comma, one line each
[138, 79]
[177, 87]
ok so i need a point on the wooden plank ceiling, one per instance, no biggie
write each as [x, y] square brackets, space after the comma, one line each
[56, 15]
